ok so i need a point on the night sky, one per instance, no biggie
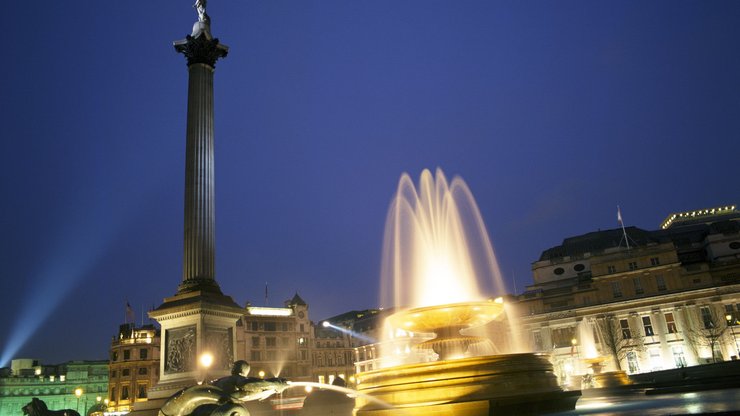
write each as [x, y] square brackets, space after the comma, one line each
[553, 112]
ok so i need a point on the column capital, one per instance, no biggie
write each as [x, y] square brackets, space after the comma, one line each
[201, 49]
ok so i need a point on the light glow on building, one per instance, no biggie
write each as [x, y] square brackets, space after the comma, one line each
[263, 311]
[696, 214]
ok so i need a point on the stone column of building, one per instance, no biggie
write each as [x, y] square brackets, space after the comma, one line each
[199, 318]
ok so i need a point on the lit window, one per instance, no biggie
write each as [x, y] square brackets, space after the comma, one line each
[62, 377]
[706, 317]
[632, 363]
[656, 362]
[538, 341]
[625, 327]
[678, 357]
[141, 391]
[648, 326]
[671, 323]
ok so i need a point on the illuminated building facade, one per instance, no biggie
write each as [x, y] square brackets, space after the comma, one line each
[54, 384]
[332, 355]
[134, 366]
[276, 341]
[654, 299]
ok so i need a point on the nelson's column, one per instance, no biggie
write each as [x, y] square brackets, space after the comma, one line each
[199, 318]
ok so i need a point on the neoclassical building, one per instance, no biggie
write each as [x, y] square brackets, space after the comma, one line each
[643, 300]
[56, 385]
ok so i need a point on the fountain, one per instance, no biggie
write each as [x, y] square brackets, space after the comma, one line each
[595, 362]
[437, 264]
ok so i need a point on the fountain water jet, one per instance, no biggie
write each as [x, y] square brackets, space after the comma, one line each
[440, 273]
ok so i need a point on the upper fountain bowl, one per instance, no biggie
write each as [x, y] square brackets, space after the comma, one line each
[455, 315]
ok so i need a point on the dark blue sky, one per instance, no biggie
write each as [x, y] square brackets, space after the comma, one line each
[553, 112]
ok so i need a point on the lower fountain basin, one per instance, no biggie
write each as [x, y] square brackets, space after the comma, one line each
[476, 386]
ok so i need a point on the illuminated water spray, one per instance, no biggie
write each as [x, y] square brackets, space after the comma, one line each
[439, 272]
[436, 249]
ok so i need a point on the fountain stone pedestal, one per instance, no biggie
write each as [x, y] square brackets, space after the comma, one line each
[469, 386]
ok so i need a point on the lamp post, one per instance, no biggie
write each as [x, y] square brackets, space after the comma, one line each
[78, 393]
[731, 323]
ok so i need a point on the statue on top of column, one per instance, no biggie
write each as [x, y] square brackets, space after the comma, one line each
[200, 6]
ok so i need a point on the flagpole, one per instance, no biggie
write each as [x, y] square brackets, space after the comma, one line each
[624, 232]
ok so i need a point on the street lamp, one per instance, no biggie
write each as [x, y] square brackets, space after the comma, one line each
[78, 393]
[731, 323]
[205, 360]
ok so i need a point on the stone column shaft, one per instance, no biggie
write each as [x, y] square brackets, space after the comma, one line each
[199, 250]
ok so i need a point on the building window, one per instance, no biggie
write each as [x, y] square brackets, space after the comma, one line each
[114, 356]
[270, 342]
[113, 397]
[255, 342]
[143, 354]
[304, 355]
[632, 265]
[253, 326]
[271, 355]
[124, 393]
[648, 326]
[706, 317]
[126, 355]
[638, 286]
[632, 363]
[270, 326]
[255, 356]
[671, 323]
[611, 269]
[142, 371]
[125, 372]
[112, 374]
[141, 391]
[302, 328]
[678, 358]
[284, 342]
[538, 341]
[301, 341]
[654, 261]
[660, 282]
[284, 327]
[656, 362]
[625, 327]
[616, 289]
